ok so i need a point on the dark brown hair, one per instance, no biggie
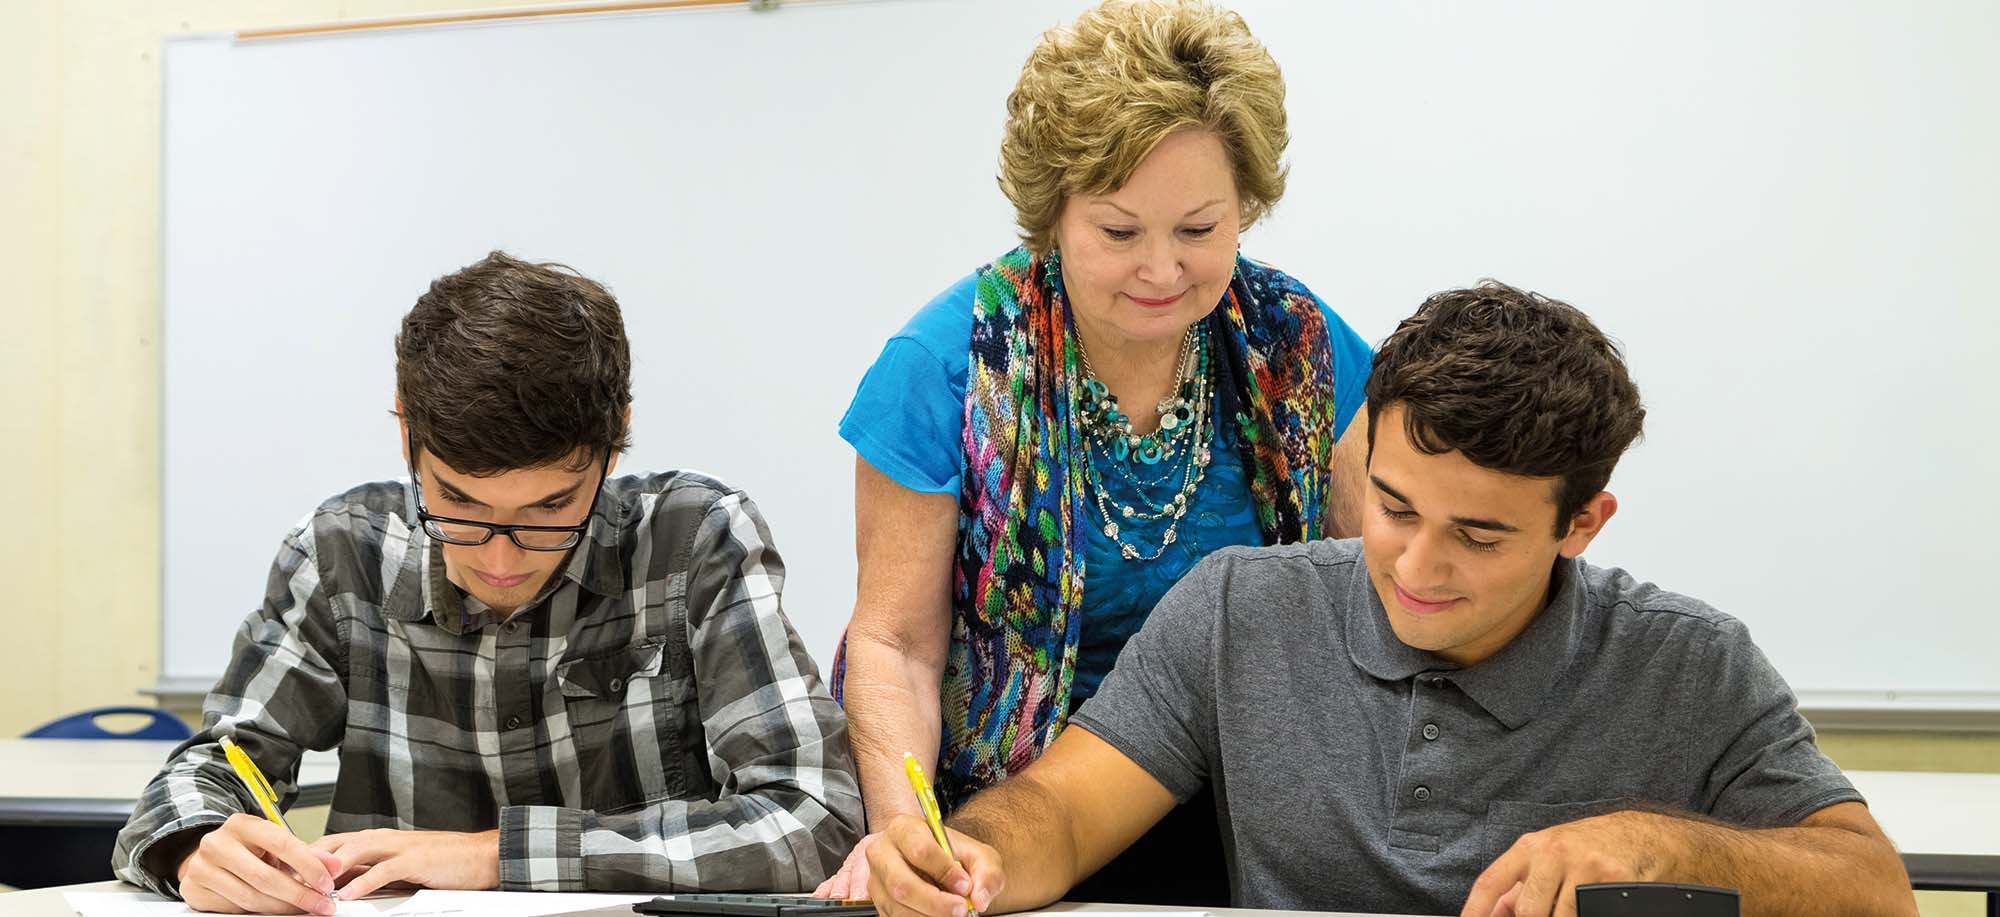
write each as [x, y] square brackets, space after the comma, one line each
[506, 365]
[1516, 382]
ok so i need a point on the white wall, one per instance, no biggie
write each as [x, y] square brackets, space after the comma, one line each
[1780, 209]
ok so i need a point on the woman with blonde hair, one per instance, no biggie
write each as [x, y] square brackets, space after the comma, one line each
[1050, 443]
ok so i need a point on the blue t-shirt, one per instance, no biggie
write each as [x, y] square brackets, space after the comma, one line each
[908, 418]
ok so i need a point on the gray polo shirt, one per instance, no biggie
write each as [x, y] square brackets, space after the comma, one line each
[1353, 772]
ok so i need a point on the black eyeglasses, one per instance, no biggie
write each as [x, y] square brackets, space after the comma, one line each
[527, 537]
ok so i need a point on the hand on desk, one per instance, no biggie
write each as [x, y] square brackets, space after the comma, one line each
[251, 866]
[852, 879]
[369, 860]
[1538, 876]
[911, 876]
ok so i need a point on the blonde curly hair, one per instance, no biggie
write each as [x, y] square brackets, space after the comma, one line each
[1097, 96]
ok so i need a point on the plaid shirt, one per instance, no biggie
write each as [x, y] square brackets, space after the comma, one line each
[650, 722]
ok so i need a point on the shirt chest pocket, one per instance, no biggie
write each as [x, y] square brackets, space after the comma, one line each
[614, 676]
[630, 714]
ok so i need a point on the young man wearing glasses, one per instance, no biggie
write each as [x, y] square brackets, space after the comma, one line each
[539, 676]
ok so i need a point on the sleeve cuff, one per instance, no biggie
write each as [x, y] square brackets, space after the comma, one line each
[1805, 810]
[541, 849]
[892, 464]
[1174, 777]
[138, 872]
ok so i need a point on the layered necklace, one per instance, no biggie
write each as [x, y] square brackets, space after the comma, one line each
[1178, 449]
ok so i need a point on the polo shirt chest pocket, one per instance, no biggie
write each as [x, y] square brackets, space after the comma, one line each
[633, 715]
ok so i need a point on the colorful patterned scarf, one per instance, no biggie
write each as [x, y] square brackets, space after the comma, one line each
[1018, 572]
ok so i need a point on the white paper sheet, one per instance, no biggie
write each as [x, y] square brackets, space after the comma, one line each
[1110, 914]
[147, 904]
[436, 903]
[432, 902]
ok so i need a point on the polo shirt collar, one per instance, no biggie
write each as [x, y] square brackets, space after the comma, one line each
[1372, 643]
[1512, 684]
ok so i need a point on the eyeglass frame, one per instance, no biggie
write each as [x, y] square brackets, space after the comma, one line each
[425, 517]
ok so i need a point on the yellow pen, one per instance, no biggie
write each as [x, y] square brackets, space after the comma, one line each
[927, 801]
[246, 770]
[267, 798]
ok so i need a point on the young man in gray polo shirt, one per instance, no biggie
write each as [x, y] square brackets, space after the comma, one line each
[1454, 713]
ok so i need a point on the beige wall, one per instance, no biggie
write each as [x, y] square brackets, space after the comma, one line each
[79, 359]
[30, 49]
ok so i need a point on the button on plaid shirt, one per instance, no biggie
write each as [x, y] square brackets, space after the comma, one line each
[650, 722]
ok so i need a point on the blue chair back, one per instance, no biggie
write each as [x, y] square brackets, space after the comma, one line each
[160, 725]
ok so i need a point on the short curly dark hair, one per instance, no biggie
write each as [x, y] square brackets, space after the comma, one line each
[506, 365]
[1514, 381]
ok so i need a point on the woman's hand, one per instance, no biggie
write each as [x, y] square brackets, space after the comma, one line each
[852, 879]
[896, 645]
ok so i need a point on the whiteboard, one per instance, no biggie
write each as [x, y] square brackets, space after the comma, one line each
[1786, 210]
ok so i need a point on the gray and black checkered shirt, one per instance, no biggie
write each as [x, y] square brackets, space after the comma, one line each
[650, 722]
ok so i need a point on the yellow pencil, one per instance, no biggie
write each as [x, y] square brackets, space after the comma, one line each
[927, 801]
[246, 770]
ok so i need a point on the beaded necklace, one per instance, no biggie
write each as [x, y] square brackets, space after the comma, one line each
[1179, 448]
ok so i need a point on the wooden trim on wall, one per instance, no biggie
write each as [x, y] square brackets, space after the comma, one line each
[478, 16]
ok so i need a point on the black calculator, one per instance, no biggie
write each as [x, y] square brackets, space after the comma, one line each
[754, 906]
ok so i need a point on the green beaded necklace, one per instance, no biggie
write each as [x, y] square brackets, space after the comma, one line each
[1186, 427]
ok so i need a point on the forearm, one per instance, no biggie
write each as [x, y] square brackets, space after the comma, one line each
[773, 840]
[280, 696]
[150, 849]
[892, 707]
[1035, 835]
[1347, 479]
[164, 813]
[1799, 871]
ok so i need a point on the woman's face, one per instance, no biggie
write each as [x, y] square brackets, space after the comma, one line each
[1143, 262]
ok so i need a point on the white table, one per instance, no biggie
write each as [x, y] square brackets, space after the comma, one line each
[48, 902]
[62, 801]
[1946, 825]
[94, 782]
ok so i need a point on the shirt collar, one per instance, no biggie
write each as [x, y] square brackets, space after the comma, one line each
[1512, 684]
[420, 589]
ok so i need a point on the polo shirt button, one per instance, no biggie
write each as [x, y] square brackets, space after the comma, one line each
[510, 627]
[513, 722]
[1423, 794]
[1430, 732]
